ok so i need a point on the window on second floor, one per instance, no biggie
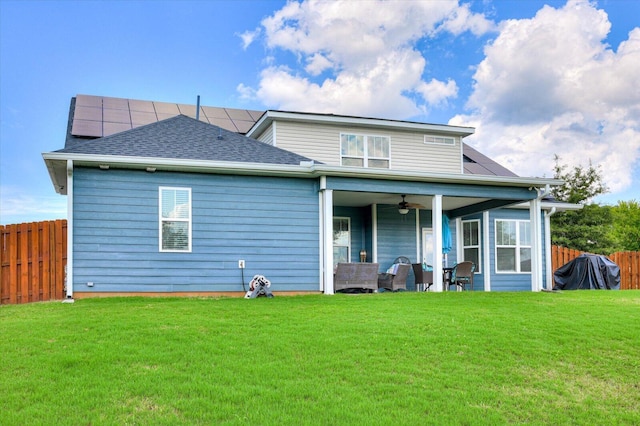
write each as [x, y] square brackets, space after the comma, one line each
[439, 140]
[364, 151]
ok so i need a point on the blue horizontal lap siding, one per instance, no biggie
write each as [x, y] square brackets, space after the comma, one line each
[271, 223]
[506, 281]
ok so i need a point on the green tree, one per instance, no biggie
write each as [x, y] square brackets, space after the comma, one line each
[590, 228]
[580, 184]
[626, 225]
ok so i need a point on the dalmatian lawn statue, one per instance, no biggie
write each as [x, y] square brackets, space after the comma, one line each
[259, 286]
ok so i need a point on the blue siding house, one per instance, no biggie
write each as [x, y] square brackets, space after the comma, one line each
[171, 199]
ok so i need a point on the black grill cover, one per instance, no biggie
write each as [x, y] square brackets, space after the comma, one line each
[588, 271]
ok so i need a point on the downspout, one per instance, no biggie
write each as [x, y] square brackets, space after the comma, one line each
[536, 231]
[69, 267]
[547, 247]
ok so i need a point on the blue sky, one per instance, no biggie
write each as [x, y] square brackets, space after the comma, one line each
[535, 78]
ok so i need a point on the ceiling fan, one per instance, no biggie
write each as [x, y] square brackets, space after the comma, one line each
[404, 206]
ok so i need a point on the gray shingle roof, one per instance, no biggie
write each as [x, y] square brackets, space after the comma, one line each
[182, 137]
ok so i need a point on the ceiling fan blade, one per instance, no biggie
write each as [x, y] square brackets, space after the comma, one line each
[415, 206]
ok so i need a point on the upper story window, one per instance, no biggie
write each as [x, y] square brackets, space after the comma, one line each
[513, 246]
[364, 151]
[439, 140]
[175, 219]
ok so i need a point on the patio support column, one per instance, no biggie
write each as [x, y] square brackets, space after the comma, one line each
[327, 238]
[418, 232]
[536, 246]
[486, 251]
[374, 233]
[436, 212]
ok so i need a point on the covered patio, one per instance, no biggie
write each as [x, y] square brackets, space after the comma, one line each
[379, 228]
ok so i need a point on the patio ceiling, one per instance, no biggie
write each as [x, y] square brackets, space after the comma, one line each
[363, 199]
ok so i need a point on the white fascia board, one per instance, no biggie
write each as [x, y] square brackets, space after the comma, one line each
[270, 116]
[456, 178]
[304, 170]
[182, 165]
[54, 160]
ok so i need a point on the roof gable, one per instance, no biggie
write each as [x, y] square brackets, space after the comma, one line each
[182, 137]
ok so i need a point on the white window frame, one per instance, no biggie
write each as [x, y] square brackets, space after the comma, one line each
[348, 219]
[365, 151]
[478, 246]
[439, 140]
[162, 220]
[517, 247]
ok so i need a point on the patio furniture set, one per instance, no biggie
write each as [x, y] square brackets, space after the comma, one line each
[364, 277]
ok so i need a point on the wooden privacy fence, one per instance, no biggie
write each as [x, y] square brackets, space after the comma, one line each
[628, 261]
[33, 257]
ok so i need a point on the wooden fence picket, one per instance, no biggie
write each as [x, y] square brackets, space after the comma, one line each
[32, 261]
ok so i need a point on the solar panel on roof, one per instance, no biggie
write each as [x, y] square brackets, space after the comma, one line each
[142, 106]
[111, 115]
[88, 113]
[188, 110]
[243, 126]
[225, 123]
[113, 128]
[166, 108]
[86, 128]
[116, 115]
[115, 103]
[86, 100]
[238, 114]
[165, 116]
[255, 115]
[214, 112]
[140, 118]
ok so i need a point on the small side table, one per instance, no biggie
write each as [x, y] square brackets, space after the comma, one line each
[446, 278]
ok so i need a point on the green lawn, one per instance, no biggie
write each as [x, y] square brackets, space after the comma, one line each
[380, 359]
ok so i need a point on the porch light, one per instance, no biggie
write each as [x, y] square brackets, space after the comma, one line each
[403, 211]
[104, 167]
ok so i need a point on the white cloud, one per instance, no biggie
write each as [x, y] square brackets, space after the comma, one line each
[248, 37]
[462, 19]
[19, 207]
[551, 85]
[436, 91]
[317, 63]
[366, 50]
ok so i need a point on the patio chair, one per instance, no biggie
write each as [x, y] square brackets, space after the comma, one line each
[394, 281]
[462, 274]
[423, 278]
